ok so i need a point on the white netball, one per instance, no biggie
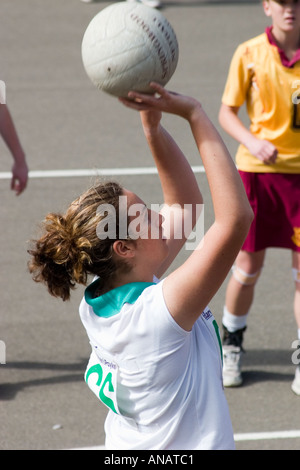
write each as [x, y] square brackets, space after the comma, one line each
[128, 45]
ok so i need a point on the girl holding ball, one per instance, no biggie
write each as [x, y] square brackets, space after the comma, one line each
[156, 360]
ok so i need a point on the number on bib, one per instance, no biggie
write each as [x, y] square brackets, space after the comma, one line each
[101, 377]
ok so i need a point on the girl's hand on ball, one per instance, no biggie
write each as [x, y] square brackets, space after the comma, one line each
[150, 117]
[162, 100]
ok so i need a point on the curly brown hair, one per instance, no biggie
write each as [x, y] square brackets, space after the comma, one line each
[69, 249]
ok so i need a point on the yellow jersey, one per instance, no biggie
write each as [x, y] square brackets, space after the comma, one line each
[271, 92]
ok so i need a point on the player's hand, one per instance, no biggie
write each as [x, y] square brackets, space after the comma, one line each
[150, 117]
[162, 100]
[19, 178]
[263, 150]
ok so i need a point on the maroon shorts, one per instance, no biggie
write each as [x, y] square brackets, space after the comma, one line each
[275, 200]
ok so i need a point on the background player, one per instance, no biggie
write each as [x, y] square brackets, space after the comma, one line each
[265, 73]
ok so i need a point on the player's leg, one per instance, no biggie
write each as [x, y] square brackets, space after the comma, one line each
[296, 276]
[239, 298]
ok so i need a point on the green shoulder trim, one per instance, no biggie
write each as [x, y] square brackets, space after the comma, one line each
[111, 302]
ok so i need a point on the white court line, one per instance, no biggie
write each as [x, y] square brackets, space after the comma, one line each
[250, 436]
[258, 436]
[93, 172]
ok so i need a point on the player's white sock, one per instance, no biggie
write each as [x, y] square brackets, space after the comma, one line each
[232, 322]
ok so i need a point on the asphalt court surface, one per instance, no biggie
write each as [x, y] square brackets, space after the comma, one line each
[64, 124]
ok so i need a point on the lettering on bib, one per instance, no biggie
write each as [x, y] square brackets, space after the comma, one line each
[101, 377]
[208, 316]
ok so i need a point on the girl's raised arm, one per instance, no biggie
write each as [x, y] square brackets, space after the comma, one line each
[190, 288]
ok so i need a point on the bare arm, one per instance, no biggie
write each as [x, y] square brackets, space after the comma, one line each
[189, 288]
[178, 182]
[10, 137]
[231, 123]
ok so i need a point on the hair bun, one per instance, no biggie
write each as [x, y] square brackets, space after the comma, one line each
[69, 250]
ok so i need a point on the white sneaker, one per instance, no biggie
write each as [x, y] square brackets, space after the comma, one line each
[148, 3]
[296, 382]
[232, 357]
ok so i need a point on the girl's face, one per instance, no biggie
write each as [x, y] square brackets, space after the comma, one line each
[145, 227]
[285, 14]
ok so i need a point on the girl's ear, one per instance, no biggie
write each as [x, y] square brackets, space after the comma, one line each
[266, 7]
[123, 249]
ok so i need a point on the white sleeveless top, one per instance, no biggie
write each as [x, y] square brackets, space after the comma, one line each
[162, 384]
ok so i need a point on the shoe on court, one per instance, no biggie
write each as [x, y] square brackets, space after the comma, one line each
[232, 357]
[296, 382]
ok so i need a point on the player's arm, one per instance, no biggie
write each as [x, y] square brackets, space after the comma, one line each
[190, 288]
[181, 193]
[10, 137]
[232, 124]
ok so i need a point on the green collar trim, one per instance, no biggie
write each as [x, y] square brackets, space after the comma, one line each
[111, 302]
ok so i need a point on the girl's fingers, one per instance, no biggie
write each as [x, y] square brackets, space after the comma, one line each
[134, 104]
[158, 88]
[148, 98]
